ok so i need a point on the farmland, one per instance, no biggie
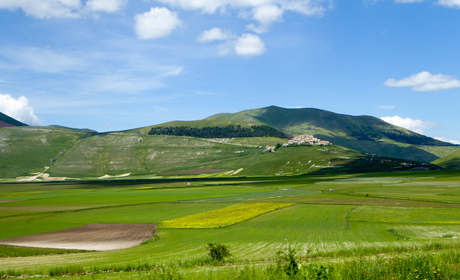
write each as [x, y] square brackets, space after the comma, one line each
[321, 216]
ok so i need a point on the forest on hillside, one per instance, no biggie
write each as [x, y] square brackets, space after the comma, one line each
[229, 131]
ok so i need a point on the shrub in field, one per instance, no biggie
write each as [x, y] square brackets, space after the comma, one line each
[286, 259]
[217, 251]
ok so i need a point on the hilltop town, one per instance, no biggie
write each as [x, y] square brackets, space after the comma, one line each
[300, 140]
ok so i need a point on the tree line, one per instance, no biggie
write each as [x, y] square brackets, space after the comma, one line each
[229, 131]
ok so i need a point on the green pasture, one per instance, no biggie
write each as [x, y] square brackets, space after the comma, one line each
[330, 216]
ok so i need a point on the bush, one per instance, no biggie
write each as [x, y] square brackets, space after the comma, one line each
[217, 251]
[287, 261]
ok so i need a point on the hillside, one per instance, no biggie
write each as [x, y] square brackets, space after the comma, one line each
[213, 149]
[362, 133]
[53, 153]
[26, 149]
[451, 161]
[6, 121]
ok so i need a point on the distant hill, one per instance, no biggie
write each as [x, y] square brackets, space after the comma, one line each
[7, 121]
[362, 133]
[451, 161]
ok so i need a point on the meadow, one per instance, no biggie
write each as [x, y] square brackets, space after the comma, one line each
[365, 221]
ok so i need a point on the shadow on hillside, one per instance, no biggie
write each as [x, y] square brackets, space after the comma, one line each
[373, 164]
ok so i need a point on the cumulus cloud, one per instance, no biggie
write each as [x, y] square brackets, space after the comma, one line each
[245, 45]
[18, 109]
[307, 7]
[214, 34]
[106, 6]
[408, 123]
[264, 12]
[44, 9]
[159, 22]
[425, 81]
[266, 15]
[449, 3]
[249, 45]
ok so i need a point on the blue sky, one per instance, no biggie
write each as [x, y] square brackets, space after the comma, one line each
[119, 64]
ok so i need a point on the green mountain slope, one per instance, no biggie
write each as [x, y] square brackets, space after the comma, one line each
[28, 149]
[160, 155]
[451, 161]
[6, 121]
[363, 133]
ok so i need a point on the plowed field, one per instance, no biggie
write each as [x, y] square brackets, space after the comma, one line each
[100, 237]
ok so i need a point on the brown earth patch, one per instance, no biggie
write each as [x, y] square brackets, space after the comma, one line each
[99, 237]
[6, 201]
[199, 170]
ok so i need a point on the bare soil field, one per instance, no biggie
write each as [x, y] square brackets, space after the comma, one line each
[98, 237]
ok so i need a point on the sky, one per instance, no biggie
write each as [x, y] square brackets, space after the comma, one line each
[119, 64]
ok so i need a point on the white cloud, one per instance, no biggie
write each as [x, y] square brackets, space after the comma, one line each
[157, 23]
[441, 138]
[44, 8]
[18, 109]
[306, 7]
[246, 45]
[266, 15]
[249, 45]
[214, 34]
[263, 11]
[408, 123]
[449, 3]
[425, 81]
[106, 6]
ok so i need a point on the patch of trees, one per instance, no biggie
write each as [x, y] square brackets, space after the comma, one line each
[229, 131]
[414, 139]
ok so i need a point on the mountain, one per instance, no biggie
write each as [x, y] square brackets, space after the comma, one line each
[30, 153]
[362, 133]
[6, 121]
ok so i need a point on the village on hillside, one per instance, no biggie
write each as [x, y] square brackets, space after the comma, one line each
[300, 140]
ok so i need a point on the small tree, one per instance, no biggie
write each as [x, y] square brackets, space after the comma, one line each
[287, 260]
[217, 251]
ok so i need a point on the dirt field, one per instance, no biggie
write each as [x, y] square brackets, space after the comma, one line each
[100, 237]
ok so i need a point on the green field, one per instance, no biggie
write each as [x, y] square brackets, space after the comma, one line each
[330, 216]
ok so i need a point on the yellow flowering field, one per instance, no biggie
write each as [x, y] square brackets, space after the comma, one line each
[224, 217]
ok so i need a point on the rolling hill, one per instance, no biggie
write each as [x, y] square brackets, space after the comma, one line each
[451, 161]
[362, 133]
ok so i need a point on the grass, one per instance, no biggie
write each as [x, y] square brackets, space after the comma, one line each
[7, 251]
[335, 226]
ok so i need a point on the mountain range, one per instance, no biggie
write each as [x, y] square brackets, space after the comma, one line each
[221, 145]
